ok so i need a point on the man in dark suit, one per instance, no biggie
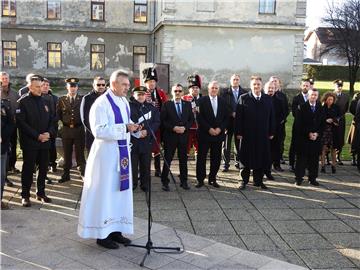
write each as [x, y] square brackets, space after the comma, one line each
[212, 119]
[255, 127]
[86, 102]
[297, 101]
[36, 128]
[231, 96]
[309, 127]
[68, 111]
[342, 101]
[176, 118]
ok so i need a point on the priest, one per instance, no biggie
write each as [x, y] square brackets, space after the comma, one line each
[106, 209]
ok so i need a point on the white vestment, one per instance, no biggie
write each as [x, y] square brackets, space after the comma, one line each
[104, 208]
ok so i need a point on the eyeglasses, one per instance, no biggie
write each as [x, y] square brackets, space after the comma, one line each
[101, 84]
[177, 91]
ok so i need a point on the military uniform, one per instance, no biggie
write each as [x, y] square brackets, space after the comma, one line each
[68, 111]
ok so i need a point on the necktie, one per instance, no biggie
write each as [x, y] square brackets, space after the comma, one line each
[257, 98]
[71, 100]
[214, 105]
[236, 94]
[178, 109]
[305, 98]
[312, 108]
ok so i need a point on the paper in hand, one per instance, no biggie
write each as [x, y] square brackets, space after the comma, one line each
[142, 119]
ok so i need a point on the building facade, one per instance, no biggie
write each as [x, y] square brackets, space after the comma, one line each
[214, 38]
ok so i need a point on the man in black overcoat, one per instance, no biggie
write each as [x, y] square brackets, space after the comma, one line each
[297, 101]
[177, 118]
[212, 119]
[309, 127]
[255, 127]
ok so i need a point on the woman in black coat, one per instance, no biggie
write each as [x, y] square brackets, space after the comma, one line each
[329, 139]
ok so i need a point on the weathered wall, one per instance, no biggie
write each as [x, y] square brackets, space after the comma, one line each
[217, 53]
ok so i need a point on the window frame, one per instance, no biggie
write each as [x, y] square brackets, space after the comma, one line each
[11, 49]
[2, 8]
[94, 2]
[47, 54]
[134, 54]
[91, 53]
[267, 13]
[143, 5]
[47, 11]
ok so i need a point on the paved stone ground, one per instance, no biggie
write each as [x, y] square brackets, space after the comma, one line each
[313, 227]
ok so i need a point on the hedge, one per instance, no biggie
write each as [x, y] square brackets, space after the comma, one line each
[328, 73]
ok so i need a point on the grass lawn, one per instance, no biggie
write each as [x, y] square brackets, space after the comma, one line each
[324, 86]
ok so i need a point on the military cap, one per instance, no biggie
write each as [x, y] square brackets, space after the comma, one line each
[194, 80]
[36, 77]
[138, 89]
[150, 74]
[312, 81]
[72, 81]
[338, 82]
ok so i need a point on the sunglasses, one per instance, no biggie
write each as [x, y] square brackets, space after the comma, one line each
[101, 84]
[177, 91]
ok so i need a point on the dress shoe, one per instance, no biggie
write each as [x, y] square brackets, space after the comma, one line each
[14, 170]
[199, 185]
[323, 169]
[333, 169]
[119, 238]
[278, 168]
[107, 243]
[225, 170]
[48, 180]
[298, 182]
[43, 198]
[157, 173]
[215, 184]
[184, 186]
[282, 161]
[263, 186]
[165, 188]
[53, 169]
[4, 206]
[237, 166]
[242, 186]
[270, 176]
[314, 183]
[339, 162]
[64, 178]
[8, 182]
[25, 202]
[292, 169]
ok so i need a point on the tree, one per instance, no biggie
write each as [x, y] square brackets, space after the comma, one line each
[344, 18]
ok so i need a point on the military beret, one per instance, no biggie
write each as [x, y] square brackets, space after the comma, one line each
[142, 89]
[150, 74]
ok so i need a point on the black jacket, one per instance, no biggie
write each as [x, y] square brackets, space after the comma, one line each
[231, 103]
[7, 125]
[33, 118]
[170, 119]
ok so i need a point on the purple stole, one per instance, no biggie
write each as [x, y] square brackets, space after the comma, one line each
[123, 149]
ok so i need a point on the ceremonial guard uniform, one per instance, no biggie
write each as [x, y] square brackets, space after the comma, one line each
[353, 129]
[194, 81]
[68, 111]
[157, 97]
[141, 146]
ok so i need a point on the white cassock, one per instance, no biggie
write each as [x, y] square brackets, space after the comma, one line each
[104, 208]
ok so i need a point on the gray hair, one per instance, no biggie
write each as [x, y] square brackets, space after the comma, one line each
[118, 73]
[212, 83]
[3, 73]
[28, 77]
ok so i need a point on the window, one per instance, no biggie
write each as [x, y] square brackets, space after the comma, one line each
[97, 57]
[267, 6]
[54, 55]
[140, 11]
[139, 56]
[98, 10]
[9, 54]
[53, 9]
[8, 8]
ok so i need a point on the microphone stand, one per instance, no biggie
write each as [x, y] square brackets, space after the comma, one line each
[149, 244]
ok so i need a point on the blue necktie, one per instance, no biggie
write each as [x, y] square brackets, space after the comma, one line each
[178, 109]
[312, 108]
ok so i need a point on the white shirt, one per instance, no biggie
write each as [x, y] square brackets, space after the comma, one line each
[255, 96]
[214, 104]
[305, 96]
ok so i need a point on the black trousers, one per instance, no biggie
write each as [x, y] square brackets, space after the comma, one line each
[170, 146]
[89, 139]
[309, 161]
[79, 153]
[275, 147]
[292, 149]
[141, 161]
[12, 157]
[258, 175]
[31, 158]
[226, 149]
[52, 152]
[215, 159]
[282, 136]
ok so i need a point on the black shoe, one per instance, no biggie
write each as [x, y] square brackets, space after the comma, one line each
[298, 182]
[314, 183]
[185, 186]
[263, 186]
[278, 168]
[119, 238]
[107, 243]
[199, 185]
[157, 173]
[237, 166]
[64, 178]
[323, 169]
[53, 168]
[242, 186]
[48, 180]
[333, 169]
[165, 188]
[339, 162]
[14, 170]
[25, 202]
[215, 184]
[43, 198]
[292, 169]
[269, 176]
[8, 182]
[282, 161]
[134, 187]
[353, 162]
[225, 170]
